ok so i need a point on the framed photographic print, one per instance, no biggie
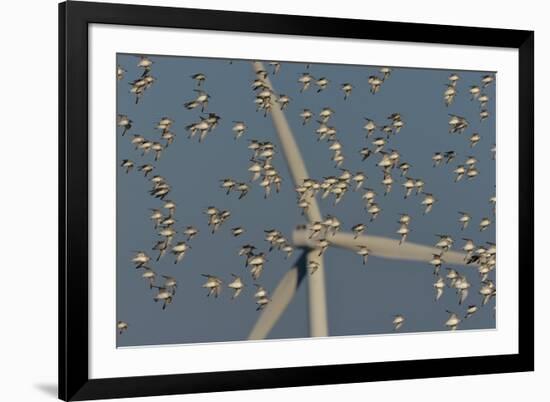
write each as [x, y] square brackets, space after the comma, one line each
[257, 201]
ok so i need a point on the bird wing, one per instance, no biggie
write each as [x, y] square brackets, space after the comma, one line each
[463, 295]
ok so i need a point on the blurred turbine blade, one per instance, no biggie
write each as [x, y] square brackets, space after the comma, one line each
[381, 247]
[280, 299]
[291, 151]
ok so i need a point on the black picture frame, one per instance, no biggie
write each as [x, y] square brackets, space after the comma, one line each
[74, 18]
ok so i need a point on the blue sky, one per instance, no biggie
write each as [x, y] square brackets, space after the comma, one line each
[361, 299]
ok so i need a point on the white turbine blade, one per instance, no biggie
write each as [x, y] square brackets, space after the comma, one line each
[298, 171]
[381, 247]
[291, 151]
[318, 325]
[280, 299]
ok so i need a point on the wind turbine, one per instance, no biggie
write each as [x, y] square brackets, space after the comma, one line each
[289, 284]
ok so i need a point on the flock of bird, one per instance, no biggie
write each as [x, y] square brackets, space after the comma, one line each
[261, 170]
